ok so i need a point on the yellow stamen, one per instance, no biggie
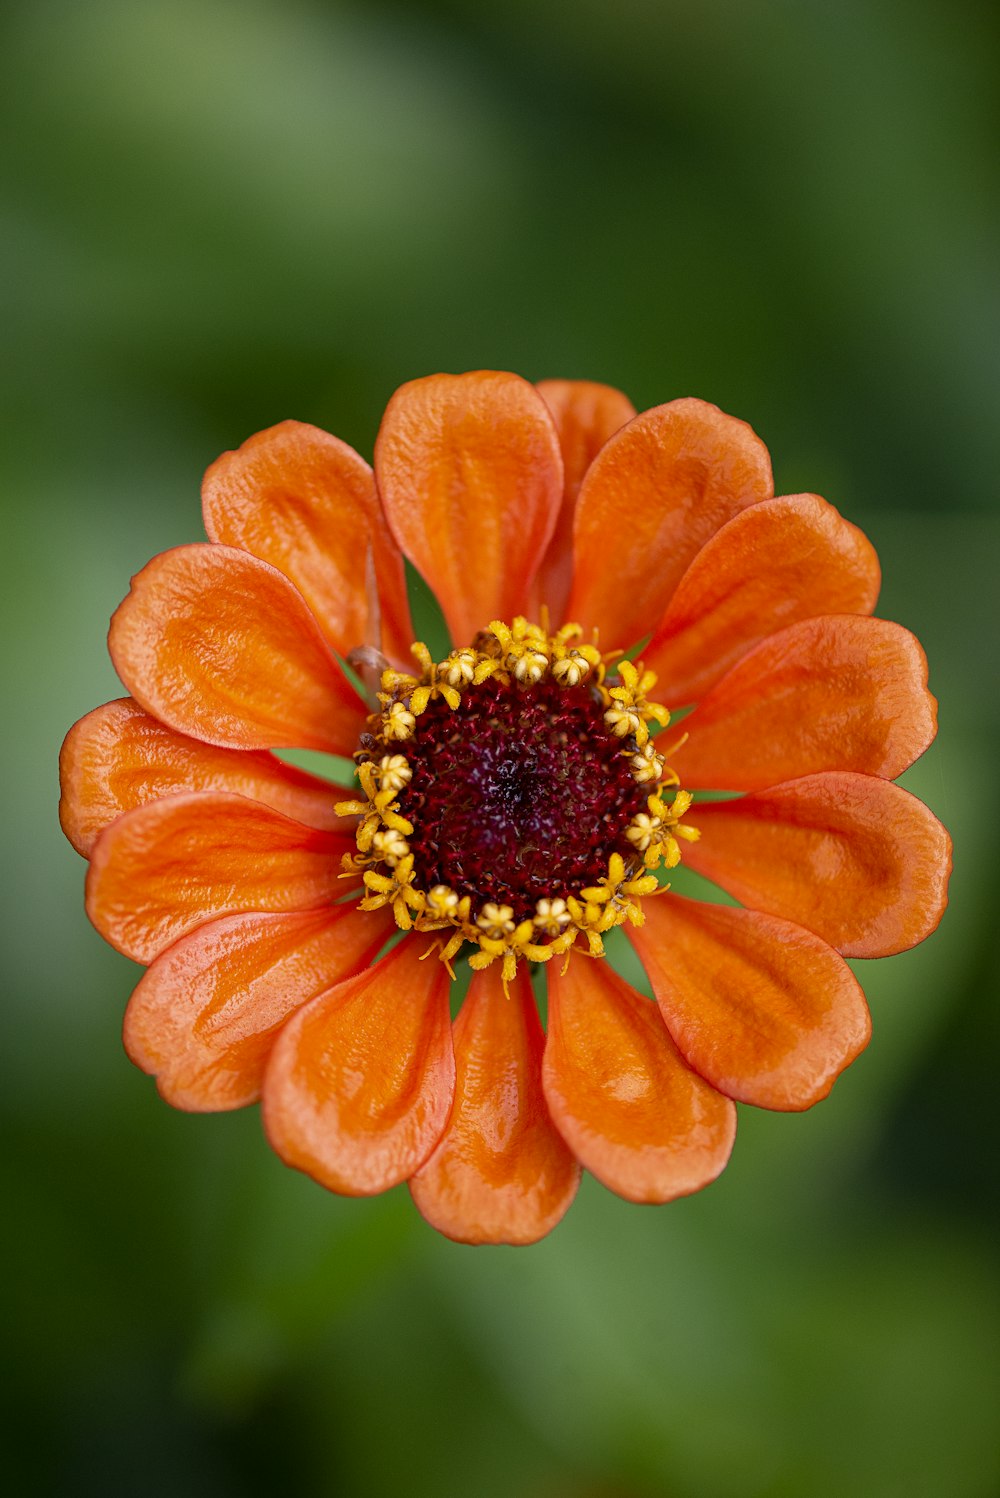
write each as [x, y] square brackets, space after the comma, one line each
[394, 772]
[398, 721]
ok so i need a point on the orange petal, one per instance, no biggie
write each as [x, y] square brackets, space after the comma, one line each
[169, 866]
[838, 693]
[501, 1173]
[360, 1082]
[653, 496]
[118, 758]
[204, 1018]
[856, 859]
[777, 562]
[470, 475]
[305, 502]
[586, 415]
[764, 1010]
[621, 1094]
[222, 647]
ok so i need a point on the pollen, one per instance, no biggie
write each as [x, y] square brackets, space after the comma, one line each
[512, 797]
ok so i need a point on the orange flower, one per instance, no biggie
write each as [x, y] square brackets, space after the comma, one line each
[514, 801]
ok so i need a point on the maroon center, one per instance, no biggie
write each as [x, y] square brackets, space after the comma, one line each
[521, 793]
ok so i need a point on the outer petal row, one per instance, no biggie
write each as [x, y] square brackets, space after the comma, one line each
[775, 563]
[360, 1082]
[653, 496]
[470, 474]
[204, 1018]
[502, 1172]
[764, 1010]
[118, 758]
[622, 1096]
[304, 501]
[857, 860]
[221, 646]
[838, 693]
[171, 865]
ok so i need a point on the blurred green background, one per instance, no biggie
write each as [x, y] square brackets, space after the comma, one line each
[217, 214]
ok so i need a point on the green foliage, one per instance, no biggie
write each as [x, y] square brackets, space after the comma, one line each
[220, 214]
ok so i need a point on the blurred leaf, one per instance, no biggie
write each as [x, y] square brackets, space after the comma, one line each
[216, 215]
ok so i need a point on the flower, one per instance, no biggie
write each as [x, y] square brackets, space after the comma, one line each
[513, 802]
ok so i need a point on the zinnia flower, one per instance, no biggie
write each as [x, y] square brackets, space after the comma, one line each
[514, 801]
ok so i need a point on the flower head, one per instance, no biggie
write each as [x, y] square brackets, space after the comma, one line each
[513, 802]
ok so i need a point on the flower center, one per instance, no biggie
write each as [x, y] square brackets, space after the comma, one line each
[521, 793]
[513, 797]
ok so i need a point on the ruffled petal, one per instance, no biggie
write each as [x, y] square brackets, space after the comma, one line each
[118, 758]
[838, 693]
[855, 859]
[777, 562]
[470, 475]
[501, 1173]
[764, 1010]
[169, 866]
[586, 415]
[204, 1019]
[622, 1096]
[653, 496]
[304, 501]
[220, 646]
[360, 1082]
